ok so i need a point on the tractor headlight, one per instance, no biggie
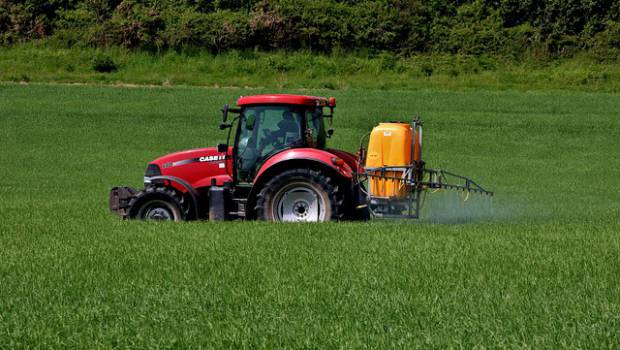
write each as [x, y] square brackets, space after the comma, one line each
[151, 170]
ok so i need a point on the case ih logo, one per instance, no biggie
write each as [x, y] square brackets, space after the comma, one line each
[194, 160]
[211, 158]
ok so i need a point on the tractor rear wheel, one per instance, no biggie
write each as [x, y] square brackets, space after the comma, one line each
[298, 195]
[157, 204]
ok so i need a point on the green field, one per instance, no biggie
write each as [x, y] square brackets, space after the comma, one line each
[543, 273]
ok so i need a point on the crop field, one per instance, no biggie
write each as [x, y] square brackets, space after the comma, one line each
[542, 272]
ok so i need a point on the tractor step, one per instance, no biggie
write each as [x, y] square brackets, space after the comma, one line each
[240, 204]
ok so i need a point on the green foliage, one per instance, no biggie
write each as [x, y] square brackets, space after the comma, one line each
[542, 275]
[134, 24]
[477, 29]
[547, 28]
[607, 42]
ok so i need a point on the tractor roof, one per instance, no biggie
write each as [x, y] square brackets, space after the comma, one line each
[285, 99]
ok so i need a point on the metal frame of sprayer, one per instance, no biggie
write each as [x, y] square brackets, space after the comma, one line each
[415, 179]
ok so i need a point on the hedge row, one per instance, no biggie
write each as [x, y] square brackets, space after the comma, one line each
[513, 27]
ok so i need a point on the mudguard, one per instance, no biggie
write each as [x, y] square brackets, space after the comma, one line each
[307, 154]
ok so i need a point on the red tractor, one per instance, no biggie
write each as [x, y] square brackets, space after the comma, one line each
[280, 169]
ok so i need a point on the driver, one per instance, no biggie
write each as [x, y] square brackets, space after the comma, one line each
[288, 126]
[288, 131]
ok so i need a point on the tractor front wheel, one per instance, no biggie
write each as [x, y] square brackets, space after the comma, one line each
[298, 195]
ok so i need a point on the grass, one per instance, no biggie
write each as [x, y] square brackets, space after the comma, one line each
[542, 274]
[45, 62]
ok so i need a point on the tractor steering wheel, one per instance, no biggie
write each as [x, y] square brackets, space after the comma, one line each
[271, 138]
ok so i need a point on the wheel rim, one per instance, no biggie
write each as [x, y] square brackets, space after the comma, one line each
[158, 211]
[298, 202]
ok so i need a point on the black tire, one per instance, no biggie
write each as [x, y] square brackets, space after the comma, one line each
[269, 200]
[158, 204]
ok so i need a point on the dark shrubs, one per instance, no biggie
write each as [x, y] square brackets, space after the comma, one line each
[103, 64]
[545, 29]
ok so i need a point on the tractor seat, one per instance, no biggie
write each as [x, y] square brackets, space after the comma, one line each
[289, 128]
[289, 131]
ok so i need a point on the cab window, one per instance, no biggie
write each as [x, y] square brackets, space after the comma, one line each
[265, 130]
[315, 129]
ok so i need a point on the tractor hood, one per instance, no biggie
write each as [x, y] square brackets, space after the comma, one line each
[196, 166]
[187, 157]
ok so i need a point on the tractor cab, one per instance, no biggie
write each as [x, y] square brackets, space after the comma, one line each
[269, 124]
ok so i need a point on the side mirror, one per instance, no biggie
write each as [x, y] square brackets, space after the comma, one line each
[225, 113]
[222, 147]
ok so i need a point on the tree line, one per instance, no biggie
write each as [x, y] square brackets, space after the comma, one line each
[473, 27]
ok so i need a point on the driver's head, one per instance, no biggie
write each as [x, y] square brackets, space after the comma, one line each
[288, 123]
[288, 116]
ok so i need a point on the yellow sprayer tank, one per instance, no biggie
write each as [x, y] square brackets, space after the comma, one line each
[390, 145]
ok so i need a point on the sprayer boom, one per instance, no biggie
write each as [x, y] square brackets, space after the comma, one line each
[438, 178]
